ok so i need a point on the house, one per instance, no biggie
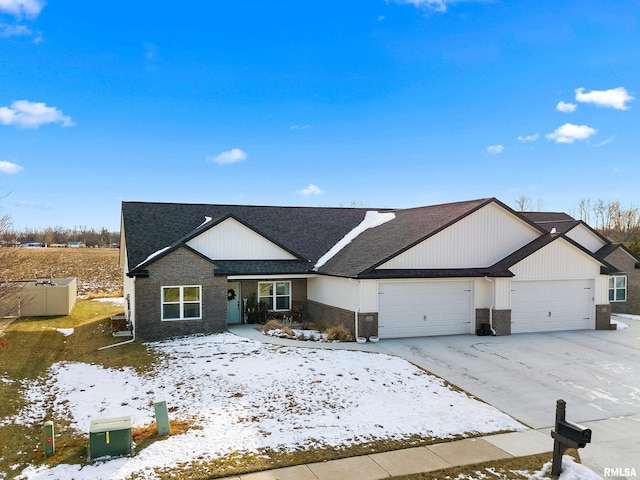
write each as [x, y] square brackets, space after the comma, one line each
[624, 282]
[457, 268]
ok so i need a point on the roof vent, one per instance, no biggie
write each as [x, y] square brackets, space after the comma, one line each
[553, 231]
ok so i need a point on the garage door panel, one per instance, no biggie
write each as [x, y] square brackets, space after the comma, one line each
[413, 309]
[544, 306]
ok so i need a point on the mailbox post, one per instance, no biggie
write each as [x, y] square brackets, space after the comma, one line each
[566, 435]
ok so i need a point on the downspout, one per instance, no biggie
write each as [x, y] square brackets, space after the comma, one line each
[493, 301]
[133, 326]
[358, 309]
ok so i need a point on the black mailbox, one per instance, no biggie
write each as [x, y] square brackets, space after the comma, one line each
[579, 434]
[566, 435]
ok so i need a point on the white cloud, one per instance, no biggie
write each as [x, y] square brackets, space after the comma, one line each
[24, 113]
[21, 8]
[299, 127]
[311, 190]
[569, 133]
[614, 98]
[495, 149]
[10, 168]
[436, 5]
[604, 142]
[566, 107]
[528, 138]
[231, 156]
[14, 30]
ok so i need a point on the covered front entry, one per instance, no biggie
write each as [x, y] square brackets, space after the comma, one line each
[546, 306]
[234, 303]
[422, 308]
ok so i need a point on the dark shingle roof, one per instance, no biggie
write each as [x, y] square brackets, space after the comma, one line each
[150, 227]
[307, 232]
[550, 220]
[538, 244]
[411, 226]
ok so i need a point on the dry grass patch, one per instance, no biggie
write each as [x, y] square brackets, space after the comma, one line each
[506, 469]
[34, 345]
[339, 333]
[97, 269]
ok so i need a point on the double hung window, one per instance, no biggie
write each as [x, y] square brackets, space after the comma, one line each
[617, 288]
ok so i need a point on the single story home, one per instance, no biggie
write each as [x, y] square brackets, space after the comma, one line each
[471, 267]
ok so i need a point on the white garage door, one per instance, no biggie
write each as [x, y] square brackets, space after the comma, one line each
[418, 309]
[546, 306]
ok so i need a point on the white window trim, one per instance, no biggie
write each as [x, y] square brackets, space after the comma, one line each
[615, 290]
[181, 303]
[274, 296]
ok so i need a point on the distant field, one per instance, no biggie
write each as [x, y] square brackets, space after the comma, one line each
[95, 268]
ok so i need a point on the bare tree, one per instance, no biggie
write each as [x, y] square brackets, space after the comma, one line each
[8, 258]
[527, 204]
[584, 210]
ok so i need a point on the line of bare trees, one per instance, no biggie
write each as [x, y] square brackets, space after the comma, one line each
[612, 220]
[60, 236]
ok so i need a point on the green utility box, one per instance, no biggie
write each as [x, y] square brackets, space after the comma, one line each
[49, 439]
[110, 437]
[162, 417]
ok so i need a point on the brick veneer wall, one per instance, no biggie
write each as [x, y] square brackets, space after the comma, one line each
[623, 262]
[328, 316]
[249, 290]
[500, 320]
[603, 317]
[181, 267]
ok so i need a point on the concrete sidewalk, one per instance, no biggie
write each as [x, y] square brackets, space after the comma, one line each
[415, 460]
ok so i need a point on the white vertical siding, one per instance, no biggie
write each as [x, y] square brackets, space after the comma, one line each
[478, 240]
[335, 291]
[585, 237]
[558, 260]
[601, 294]
[493, 293]
[231, 240]
[503, 294]
[562, 261]
[484, 293]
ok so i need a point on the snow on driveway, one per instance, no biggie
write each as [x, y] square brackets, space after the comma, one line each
[245, 396]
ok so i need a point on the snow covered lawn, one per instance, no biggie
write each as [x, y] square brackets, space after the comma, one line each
[245, 396]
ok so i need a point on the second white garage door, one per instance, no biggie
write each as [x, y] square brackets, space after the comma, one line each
[545, 306]
[419, 309]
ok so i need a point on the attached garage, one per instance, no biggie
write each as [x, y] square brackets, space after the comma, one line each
[544, 306]
[419, 309]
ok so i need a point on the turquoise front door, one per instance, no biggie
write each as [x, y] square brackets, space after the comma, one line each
[234, 303]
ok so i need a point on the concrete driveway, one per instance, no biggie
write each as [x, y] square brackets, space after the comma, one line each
[596, 372]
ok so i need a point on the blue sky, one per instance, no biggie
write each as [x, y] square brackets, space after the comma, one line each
[379, 103]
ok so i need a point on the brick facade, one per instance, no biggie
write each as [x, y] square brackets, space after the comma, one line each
[500, 320]
[249, 290]
[603, 317]
[627, 265]
[180, 267]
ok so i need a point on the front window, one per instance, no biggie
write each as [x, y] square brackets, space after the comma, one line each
[618, 288]
[276, 295]
[181, 303]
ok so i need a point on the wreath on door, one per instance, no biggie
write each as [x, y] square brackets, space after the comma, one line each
[231, 294]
